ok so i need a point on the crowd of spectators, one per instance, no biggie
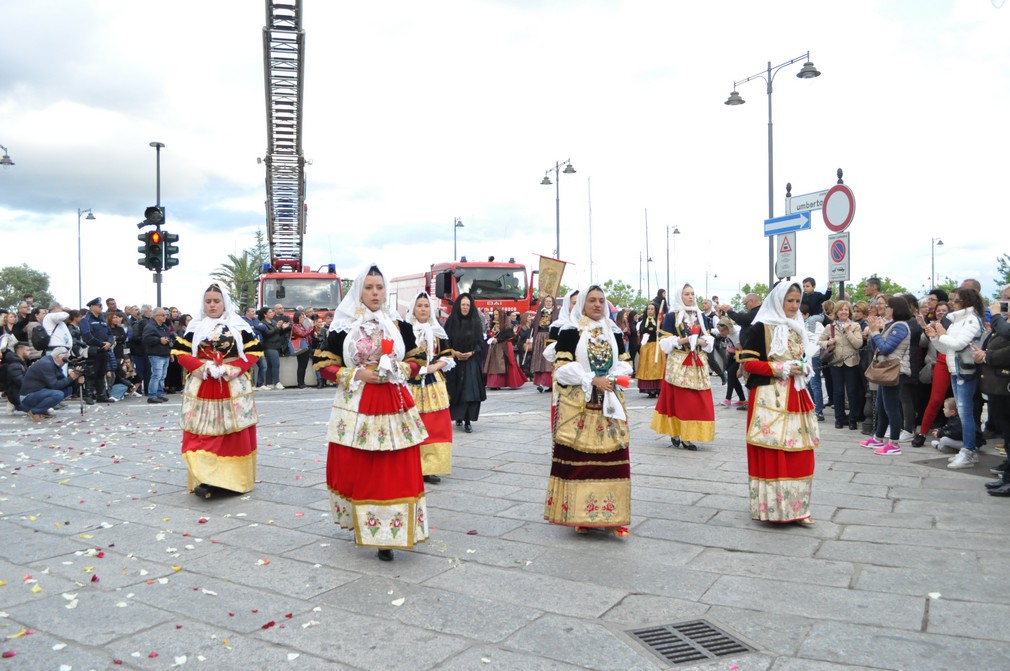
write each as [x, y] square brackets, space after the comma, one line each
[105, 353]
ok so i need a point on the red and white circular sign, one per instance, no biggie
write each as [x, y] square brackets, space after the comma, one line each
[839, 208]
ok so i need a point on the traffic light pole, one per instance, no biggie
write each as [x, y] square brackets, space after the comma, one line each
[157, 150]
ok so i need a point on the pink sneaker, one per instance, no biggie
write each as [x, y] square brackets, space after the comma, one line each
[890, 448]
[872, 441]
[726, 403]
[739, 402]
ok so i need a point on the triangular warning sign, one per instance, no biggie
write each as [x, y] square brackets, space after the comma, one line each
[786, 247]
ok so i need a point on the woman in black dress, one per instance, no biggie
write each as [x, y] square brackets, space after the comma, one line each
[465, 381]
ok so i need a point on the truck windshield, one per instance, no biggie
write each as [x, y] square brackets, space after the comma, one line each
[321, 293]
[491, 282]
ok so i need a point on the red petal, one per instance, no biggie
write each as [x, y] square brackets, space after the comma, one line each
[8, 654]
[269, 624]
[152, 655]
[94, 578]
[289, 615]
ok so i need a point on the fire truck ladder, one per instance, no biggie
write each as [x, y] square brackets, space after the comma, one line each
[284, 68]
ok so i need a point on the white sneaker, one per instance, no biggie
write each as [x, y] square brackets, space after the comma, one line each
[963, 459]
[50, 411]
[906, 436]
[10, 408]
[136, 394]
[278, 386]
[263, 388]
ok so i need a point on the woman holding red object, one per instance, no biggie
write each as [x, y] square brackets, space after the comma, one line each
[373, 467]
[500, 367]
[685, 410]
[590, 480]
[218, 410]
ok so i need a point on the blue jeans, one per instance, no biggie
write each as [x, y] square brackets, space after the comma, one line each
[143, 370]
[159, 369]
[43, 399]
[261, 372]
[273, 358]
[889, 411]
[815, 388]
[845, 380]
[964, 396]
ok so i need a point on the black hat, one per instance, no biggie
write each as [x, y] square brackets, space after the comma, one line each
[94, 301]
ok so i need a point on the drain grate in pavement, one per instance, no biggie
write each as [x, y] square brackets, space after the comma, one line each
[689, 642]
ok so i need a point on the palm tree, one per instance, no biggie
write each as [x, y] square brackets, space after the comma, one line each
[239, 275]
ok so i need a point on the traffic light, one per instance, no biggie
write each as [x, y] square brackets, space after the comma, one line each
[150, 250]
[154, 216]
[171, 249]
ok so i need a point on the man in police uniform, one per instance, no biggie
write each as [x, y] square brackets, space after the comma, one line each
[95, 334]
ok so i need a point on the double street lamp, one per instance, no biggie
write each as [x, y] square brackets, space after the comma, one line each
[90, 217]
[457, 224]
[808, 71]
[6, 160]
[675, 231]
[546, 181]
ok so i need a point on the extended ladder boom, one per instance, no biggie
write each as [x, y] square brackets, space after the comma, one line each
[284, 67]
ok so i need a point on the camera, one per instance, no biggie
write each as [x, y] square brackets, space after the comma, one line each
[81, 364]
[1003, 306]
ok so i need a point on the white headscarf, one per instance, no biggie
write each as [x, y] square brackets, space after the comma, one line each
[682, 310]
[203, 327]
[430, 331]
[563, 312]
[772, 313]
[351, 314]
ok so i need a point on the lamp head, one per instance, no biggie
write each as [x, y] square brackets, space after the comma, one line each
[808, 71]
[91, 215]
[546, 181]
[939, 242]
[569, 170]
[734, 99]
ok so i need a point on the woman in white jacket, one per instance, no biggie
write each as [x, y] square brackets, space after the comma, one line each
[958, 344]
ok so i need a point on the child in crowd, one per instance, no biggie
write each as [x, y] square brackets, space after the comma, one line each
[949, 436]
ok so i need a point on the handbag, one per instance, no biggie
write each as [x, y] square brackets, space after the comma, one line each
[884, 372]
[993, 380]
[827, 355]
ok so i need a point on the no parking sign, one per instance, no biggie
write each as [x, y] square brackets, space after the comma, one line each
[838, 257]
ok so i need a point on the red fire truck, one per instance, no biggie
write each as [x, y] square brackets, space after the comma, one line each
[492, 284]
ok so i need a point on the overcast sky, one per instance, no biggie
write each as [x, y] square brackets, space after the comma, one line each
[416, 113]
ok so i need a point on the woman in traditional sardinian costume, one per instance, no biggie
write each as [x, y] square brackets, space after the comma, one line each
[590, 480]
[542, 368]
[373, 467]
[782, 429]
[685, 410]
[430, 349]
[651, 360]
[218, 411]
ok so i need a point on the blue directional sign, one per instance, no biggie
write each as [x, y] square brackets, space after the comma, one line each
[800, 221]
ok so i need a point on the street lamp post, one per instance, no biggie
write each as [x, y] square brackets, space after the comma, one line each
[676, 231]
[5, 161]
[934, 243]
[80, 292]
[569, 170]
[807, 72]
[457, 223]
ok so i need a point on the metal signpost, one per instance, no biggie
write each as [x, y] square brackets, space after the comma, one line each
[838, 210]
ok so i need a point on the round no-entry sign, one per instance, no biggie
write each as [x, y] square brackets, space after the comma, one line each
[839, 208]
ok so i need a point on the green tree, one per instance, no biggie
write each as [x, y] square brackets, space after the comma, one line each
[1003, 269]
[16, 281]
[240, 276]
[260, 251]
[857, 292]
[622, 295]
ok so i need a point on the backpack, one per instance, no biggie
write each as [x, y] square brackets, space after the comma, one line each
[39, 338]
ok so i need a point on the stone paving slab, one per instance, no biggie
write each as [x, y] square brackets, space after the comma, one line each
[852, 592]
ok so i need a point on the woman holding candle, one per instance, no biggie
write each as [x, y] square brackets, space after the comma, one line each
[373, 467]
[590, 480]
